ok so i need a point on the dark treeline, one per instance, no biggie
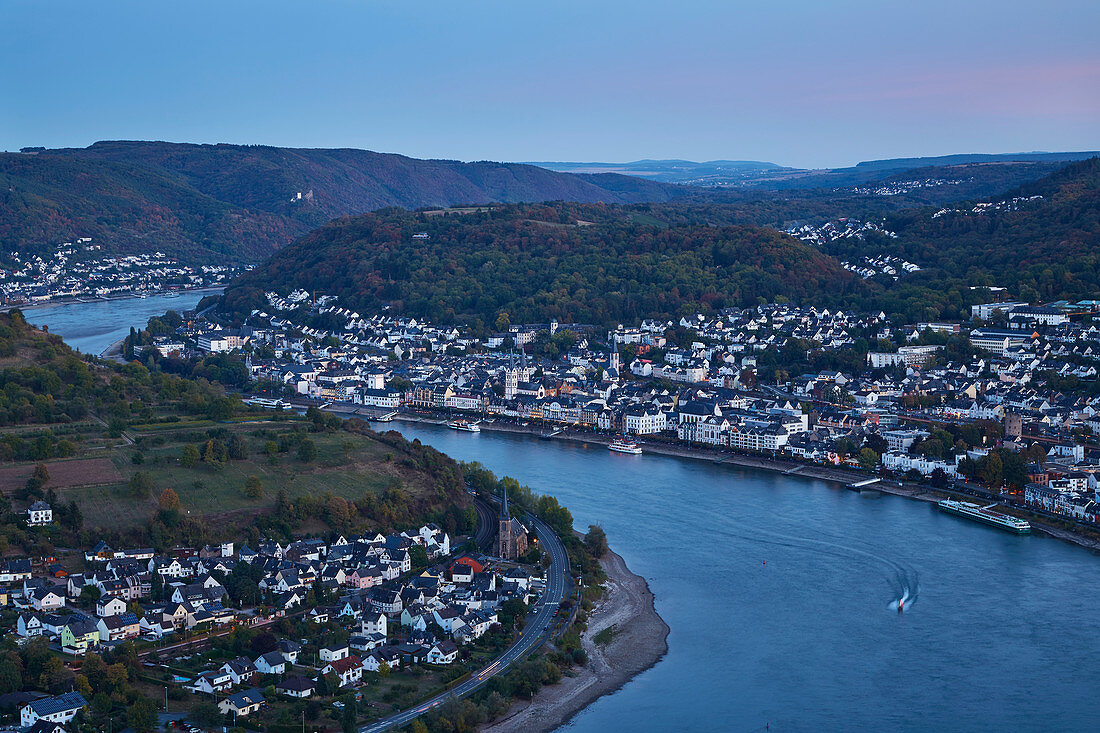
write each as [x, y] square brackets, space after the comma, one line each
[573, 262]
[607, 264]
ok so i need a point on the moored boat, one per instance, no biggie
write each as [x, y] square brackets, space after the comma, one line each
[622, 445]
[464, 426]
[985, 515]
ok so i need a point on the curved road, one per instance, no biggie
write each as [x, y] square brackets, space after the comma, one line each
[539, 620]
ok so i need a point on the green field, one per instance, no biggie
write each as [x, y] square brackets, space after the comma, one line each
[347, 465]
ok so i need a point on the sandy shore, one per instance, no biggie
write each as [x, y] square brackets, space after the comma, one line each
[640, 641]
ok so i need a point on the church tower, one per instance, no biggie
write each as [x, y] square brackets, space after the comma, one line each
[511, 380]
[511, 534]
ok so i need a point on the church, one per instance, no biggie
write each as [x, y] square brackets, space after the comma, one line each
[511, 535]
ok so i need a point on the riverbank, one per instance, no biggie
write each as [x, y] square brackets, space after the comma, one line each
[920, 492]
[639, 639]
[107, 299]
[114, 351]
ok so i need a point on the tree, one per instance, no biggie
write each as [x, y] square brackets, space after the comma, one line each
[41, 473]
[189, 456]
[512, 613]
[596, 541]
[169, 501]
[215, 453]
[418, 556]
[11, 673]
[89, 594]
[253, 489]
[350, 714]
[307, 451]
[238, 448]
[141, 715]
[141, 484]
[207, 715]
[868, 458]
[992, 470]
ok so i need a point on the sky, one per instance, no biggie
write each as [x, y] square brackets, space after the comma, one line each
[806, 83]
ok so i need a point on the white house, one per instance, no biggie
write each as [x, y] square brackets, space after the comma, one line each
[444, 652]
[47, 599]
[349, 670]
[374, 623]
[270, 663]
[110, 606]
[39, 513]
[242, 703]
[59, 709]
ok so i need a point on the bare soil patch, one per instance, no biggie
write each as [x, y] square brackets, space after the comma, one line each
[63, 474]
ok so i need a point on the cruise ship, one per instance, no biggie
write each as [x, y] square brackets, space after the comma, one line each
[622, 445]
[985, 515]
[464, 426]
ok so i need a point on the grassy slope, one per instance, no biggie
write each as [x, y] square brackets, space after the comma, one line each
[348, 464]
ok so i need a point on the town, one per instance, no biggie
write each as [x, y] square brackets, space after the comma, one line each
[1002, 405]
[77, 270]
[366, 623]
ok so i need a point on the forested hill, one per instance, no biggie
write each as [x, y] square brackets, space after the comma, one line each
[600, 264]
[1040, 248]
[234, 202]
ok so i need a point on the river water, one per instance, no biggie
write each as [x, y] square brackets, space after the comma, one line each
[93, 326]
[781, 591]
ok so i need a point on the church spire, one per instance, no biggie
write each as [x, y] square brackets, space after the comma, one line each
[504, 513]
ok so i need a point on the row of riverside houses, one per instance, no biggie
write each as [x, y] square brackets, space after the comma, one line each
[704, 388]
[75, 269]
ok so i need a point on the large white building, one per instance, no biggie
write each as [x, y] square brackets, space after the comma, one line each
[900, 462]
[905, 356]
[644, 420]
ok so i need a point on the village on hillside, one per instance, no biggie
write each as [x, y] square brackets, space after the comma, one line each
[357, 625]
[78, 269]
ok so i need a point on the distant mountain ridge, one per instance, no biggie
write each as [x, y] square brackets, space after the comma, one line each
[747, 173]
[964, 158]
[240, 203]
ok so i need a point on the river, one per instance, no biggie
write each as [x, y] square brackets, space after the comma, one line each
[92, 326]
[780, 590]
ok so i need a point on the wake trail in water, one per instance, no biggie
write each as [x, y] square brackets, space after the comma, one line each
[903, 580]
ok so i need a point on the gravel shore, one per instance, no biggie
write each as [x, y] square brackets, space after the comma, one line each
[639, 642]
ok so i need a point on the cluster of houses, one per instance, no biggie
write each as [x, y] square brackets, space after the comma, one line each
[703, 389]
[393, 617]
[75, 270]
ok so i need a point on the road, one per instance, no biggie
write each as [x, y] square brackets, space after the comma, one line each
[539, 621]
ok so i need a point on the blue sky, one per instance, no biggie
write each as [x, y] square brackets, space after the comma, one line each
[797, 82]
